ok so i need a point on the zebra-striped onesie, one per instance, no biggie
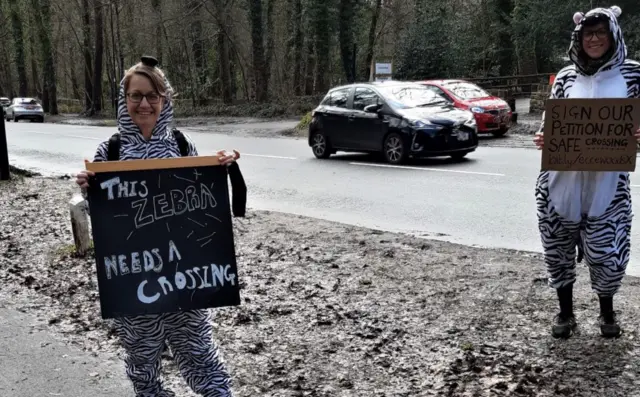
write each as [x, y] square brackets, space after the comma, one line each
[188, 333]
[590, 211]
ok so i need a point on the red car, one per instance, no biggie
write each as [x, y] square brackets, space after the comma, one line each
[493, 114]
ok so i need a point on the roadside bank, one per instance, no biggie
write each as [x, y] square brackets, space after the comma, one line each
[330, 309]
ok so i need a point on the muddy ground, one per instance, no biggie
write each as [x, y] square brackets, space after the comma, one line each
[334, 310]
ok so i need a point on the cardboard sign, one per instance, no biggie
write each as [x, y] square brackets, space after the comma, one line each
[163, 236]
[590, 134]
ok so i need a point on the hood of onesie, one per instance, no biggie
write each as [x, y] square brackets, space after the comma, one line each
[616, 54]
[126, 126]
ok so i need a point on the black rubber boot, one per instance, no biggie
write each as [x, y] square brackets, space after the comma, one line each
[609, 327]
[564, 322]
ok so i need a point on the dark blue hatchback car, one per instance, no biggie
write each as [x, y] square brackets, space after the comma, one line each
[397, 119]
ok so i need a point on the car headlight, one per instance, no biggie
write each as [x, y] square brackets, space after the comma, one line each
[471, 122]
[477, 109]
[424, 125]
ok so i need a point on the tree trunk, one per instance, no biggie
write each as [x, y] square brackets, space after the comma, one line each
[99, 50]
[322, 45]
[157, 8]
[18, 45]
[43, 25]
[270, 48]
[113, 63]
[310, 67]
[346, 38]
[199, 55]
[121, 70]
[504, 8]
[35, 79]
[298, 48]
[88, 69]
[366, 70]
[257, 49]
[289, 46]
[225, 72]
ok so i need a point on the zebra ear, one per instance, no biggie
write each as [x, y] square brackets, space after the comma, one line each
[578, 17]
[617, 11]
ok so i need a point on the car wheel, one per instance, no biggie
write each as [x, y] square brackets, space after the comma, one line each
[459, 156]
[15, 119]
[395, 151]
[320, 146]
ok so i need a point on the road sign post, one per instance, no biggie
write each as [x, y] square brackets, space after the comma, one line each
[4, 152]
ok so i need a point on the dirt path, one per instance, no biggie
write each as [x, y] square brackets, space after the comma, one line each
[334, 310]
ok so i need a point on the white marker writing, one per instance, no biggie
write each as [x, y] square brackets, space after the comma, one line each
[220, 274]
[109, 184]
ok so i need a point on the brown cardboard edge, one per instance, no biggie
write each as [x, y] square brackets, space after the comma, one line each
[151, 164]
[550, 102]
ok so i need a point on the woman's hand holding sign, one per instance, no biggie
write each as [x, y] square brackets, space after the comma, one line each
[538, 139]
[226, 159]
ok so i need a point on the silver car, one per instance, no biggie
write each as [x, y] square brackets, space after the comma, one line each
[24, 108]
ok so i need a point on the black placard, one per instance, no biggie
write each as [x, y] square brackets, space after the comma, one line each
[163, 239]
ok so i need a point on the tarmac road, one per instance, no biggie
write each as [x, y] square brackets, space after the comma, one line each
[35, 363]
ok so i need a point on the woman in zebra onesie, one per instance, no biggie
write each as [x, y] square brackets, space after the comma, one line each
[590, 211]
[144, 115]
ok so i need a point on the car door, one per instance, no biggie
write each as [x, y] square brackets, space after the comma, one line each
[368, 128]
[440, 92]
[336, 120]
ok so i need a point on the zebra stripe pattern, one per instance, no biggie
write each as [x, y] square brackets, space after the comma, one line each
[605, 240]
[189, 333]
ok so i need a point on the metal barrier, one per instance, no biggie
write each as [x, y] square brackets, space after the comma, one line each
[523, 85]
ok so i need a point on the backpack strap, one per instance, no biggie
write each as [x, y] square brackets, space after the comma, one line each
[238, 190]
[113, 150]
[183, 145]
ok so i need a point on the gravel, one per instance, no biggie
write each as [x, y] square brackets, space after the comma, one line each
[335, 310]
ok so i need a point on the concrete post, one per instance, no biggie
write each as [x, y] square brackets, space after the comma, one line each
[80, 224]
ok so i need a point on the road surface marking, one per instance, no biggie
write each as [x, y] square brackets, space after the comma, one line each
[267, 156]
[426, 169]
[68, 136]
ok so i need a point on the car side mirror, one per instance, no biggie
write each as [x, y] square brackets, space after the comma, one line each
[372, 108]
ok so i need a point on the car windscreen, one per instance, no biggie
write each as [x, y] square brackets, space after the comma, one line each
[27, 101]
[466, 90]
[405, 97]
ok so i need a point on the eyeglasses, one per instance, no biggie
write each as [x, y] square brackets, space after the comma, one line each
[152, 98]
[600, 34]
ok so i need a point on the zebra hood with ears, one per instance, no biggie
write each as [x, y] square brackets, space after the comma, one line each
[616, 55]
[133, 146]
